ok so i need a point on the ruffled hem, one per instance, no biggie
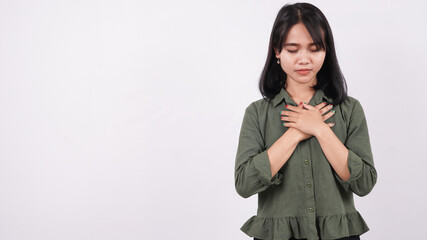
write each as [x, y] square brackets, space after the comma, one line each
[328, 227]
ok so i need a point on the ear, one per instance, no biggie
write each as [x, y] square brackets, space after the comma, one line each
[277, 53]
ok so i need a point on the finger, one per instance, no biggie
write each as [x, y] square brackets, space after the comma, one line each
[320, 105]
[328, 115]
[326, 109]
[308, 106]
[293, 108]
[289, 119]
[289, 124]
[331, 124]
[289, 113]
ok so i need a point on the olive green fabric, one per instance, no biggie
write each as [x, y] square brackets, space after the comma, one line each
[306, 198]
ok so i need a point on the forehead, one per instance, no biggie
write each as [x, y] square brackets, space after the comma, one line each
[299, 34]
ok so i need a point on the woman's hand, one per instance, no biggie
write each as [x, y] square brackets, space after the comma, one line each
[306, 119]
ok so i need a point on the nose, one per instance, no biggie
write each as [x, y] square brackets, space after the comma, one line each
[304, 57]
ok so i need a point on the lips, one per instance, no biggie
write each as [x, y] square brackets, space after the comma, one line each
[303, 71]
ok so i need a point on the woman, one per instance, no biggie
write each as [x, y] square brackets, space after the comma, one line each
[304, 160]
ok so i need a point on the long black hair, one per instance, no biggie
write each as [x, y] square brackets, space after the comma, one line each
[329, 78]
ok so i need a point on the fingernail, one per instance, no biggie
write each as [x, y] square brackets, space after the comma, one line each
[333, 111]
[300, 103]
[284, 124]
[304, 102]
[333, 124]
[286, 105]
[330, 106]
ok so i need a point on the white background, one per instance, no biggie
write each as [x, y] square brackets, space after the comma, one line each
[120, 119]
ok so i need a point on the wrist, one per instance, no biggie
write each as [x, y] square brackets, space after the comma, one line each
[294, 134]
[322, 131]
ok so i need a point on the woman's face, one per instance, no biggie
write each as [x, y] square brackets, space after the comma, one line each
[299, 58]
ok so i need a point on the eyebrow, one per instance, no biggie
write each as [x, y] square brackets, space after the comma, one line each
[297, 44]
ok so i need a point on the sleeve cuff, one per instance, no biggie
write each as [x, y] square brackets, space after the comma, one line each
[355, 166]
[262, 165]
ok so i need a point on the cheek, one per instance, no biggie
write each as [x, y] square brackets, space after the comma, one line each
[287, 66]
[319, 60]
[288, 59]
[286, 62]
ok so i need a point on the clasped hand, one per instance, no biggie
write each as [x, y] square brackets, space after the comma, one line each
[306, 119]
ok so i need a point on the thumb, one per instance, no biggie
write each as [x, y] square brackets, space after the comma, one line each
[307, 106]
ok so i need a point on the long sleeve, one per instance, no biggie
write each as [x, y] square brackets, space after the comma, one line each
[363, 174]
[252, 168]
[305, 199]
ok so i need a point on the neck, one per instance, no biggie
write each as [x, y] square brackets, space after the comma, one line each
[299, 91]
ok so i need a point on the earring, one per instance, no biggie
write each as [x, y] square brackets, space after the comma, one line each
[278, 61]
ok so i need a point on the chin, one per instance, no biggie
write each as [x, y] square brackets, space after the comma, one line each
[304, 79]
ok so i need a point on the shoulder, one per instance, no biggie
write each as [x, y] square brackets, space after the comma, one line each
[256, 112]
[259, 107]
[351, 107]
[351, 103]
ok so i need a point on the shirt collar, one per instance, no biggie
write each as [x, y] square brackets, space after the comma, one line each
[318, 97]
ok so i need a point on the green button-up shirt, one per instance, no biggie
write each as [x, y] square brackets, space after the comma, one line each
[306, 198]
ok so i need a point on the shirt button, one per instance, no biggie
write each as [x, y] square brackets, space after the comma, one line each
[308, 184]
[306, 161]
[311, 209]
